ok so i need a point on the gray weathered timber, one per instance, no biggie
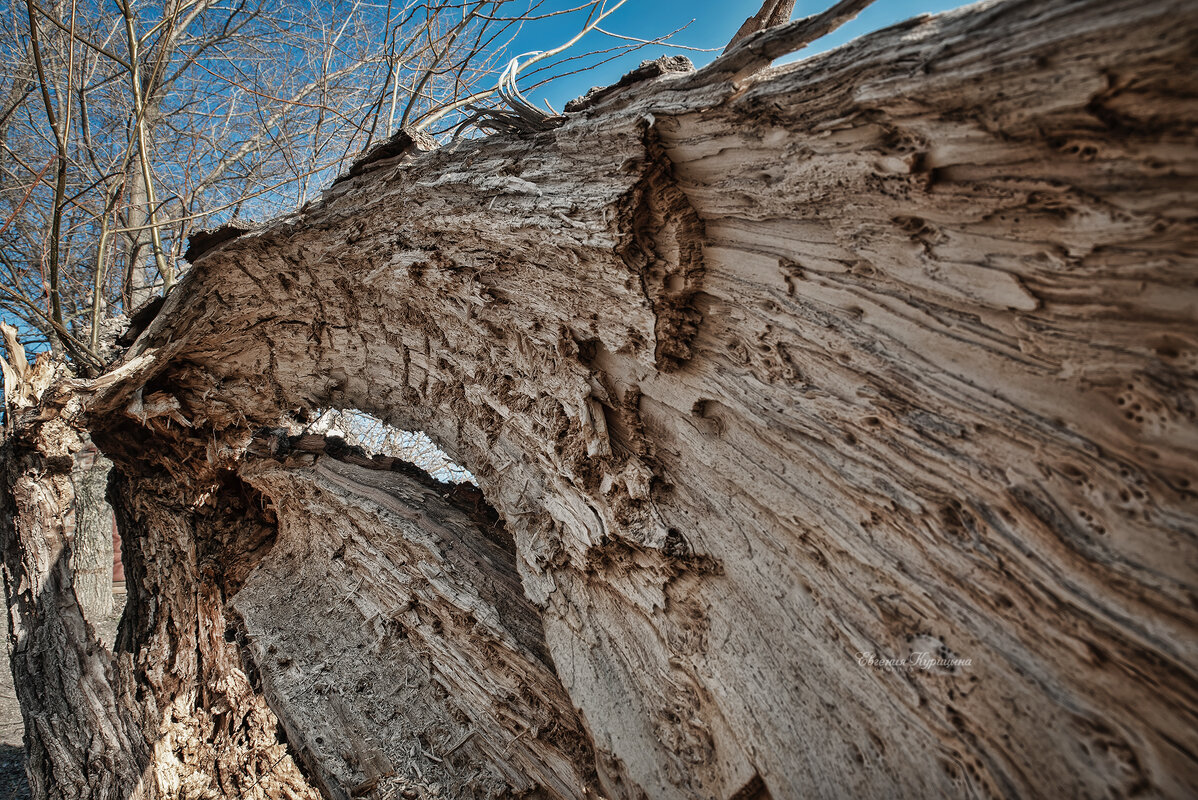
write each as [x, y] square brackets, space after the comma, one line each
[390, 626]
[772, 383]
[92, 549]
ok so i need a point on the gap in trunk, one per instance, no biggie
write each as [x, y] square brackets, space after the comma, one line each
[376, 437]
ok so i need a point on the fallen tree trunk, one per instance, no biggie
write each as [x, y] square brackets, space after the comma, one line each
[837, 421]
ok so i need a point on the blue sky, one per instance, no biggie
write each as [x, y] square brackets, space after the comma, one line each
[711, 25]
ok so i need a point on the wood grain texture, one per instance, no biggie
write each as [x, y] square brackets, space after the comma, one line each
[394, 640]
[889, 352]
[92, 549]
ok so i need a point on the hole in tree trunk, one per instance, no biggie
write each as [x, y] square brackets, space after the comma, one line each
[376, 437]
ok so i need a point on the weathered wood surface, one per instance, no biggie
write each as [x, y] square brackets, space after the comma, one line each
[92, 548]
[890, 351]
[395, 642]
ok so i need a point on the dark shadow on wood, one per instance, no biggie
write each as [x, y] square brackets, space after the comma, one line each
[13, 783]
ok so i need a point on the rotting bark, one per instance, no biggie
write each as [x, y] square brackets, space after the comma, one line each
[891, 351]
[171, 713]
[771, 14]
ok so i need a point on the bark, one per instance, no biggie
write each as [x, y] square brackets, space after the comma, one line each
[140, 272]
[413, 656]
[770, 379]
[92, 550]
[79, 738]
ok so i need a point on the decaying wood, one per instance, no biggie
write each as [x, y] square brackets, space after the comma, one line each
[771, 13]
[395, 642]
[764, 38]
[172, 713]
[782, 383]
[80, 739]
